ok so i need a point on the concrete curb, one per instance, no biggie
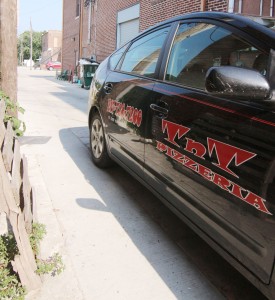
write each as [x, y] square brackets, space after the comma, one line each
[54, 241]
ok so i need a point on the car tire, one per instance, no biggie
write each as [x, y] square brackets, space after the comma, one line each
[98, 147]
[50, 68]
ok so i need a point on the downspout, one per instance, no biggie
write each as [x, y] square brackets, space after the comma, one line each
[203, 5]
[80, 29]
[240, 6]
[62, 45]
[231, 5]
[95, 24]
[271, 7]
[261, 8]
[89, 23]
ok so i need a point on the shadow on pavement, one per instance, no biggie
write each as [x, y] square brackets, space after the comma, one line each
[90, 203]
[224, 277]
[34, 140]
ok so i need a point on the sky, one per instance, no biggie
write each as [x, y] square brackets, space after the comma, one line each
[44, 15]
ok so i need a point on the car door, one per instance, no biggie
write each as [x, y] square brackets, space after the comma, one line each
[210, 157]
[128, 90]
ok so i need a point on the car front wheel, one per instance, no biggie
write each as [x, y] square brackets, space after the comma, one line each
[99, 152]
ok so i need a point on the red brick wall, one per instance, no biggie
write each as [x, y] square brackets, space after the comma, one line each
[217, 5]
[266, 7]
[154, 11]
[103, 23]
[252, 8]
[151, 12]
[70, 35]
[104, 16]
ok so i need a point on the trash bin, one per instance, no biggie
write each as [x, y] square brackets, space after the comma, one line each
[87, 71]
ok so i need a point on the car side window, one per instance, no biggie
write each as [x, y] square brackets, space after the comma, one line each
[141, 58]
[115, 58]
[200, 46]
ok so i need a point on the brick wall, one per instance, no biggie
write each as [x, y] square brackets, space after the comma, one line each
[154, 11]
[104, 16]
[104, 26]
[51, 45]
[253, 7]
[70, 42]
[8, 48]
[217, 5]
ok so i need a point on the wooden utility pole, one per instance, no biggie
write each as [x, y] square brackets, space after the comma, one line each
[30, 44]
[8, 48]
[21, 50]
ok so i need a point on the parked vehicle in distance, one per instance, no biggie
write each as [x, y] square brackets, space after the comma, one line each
[187, 108]
[52, 65]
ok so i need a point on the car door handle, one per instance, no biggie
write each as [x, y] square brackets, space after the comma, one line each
[108, 87]
[159, 109]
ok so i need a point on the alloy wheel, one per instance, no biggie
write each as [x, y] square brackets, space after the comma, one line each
[97, 138]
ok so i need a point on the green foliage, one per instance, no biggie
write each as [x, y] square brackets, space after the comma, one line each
[23, 44]
[10, 287]
[12, 108]
[8, 249]
[37, 235]
[53, 265]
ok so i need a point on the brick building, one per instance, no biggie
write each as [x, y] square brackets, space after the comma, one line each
[96, 27]
[51, 46]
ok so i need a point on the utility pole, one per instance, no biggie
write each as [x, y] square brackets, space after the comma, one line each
[8, 48]
[21, 50]
[30, 44]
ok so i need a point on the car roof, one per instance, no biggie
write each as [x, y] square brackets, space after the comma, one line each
[247, 25]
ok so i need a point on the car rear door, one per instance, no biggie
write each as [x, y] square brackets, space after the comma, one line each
[213, 159]
[128, 90]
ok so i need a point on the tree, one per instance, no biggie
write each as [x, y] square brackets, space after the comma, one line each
[23, 45]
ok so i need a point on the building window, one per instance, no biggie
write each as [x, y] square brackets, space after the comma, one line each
[77, 8]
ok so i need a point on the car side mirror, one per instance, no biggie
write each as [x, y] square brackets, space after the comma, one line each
[237, 83]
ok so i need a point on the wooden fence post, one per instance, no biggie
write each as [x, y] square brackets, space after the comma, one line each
[16, 202]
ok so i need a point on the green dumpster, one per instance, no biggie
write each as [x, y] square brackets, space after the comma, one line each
[87, 70]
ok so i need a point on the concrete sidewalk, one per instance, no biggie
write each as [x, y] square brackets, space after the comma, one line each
[111, 248]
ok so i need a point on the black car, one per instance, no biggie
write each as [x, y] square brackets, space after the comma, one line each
[187, 108]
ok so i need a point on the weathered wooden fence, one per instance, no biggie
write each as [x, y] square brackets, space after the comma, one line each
[17, 202]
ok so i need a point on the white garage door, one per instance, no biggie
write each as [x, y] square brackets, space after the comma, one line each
[127, 24]
[128, 30]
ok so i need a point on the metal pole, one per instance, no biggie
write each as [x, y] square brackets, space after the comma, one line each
[231, 6]
[240, 6]
[261, 7]
[89, 23]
